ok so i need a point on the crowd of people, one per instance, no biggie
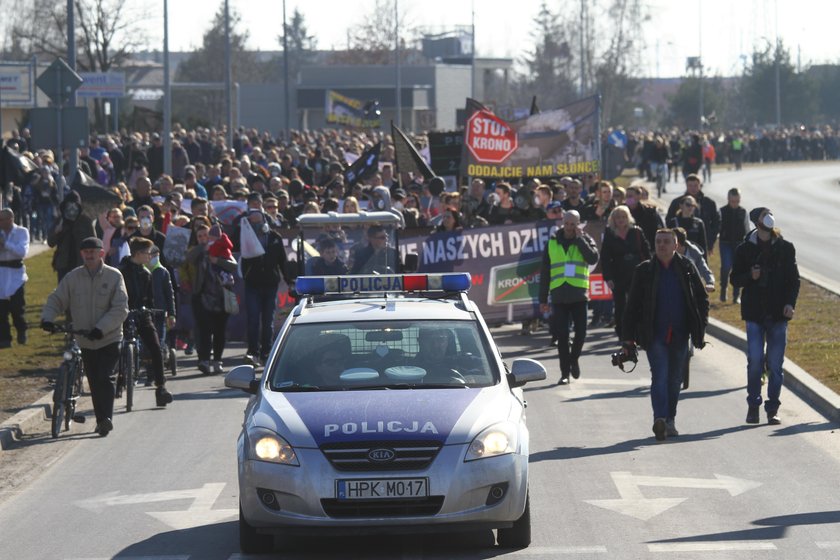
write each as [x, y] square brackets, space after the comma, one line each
[680, 152]
[278, 180]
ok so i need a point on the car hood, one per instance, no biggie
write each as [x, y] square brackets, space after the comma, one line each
[448, 416]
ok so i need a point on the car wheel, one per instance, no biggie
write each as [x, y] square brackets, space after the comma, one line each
[518, 536]
[250, 541]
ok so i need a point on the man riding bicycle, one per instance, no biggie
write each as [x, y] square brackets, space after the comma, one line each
[138, 284]
[94, 294]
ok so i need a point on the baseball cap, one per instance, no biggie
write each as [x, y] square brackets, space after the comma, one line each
[553, 205]
[91, 243]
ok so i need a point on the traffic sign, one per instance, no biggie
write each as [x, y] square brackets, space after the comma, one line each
[59, 81]
[102, 84]
[489, 138]
[75, 128]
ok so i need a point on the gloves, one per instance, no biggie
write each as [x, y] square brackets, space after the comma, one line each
[48, 326]
[95, 334]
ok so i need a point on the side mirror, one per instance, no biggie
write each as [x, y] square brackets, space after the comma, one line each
[411, 262]
[524, 370]
[242, 377]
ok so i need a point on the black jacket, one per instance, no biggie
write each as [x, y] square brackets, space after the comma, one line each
[138, 284]
[707, 212]
[733, 224]
[778, 284]
[640, 313]
[266, 270]
[620, 257]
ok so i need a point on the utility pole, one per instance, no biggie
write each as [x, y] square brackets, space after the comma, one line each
[472, 65]
[228, 104]
[397, 60]
[71, 62]
[167, 95]
[778, 56]
[582, 51]
[700, 59]
[286, 71]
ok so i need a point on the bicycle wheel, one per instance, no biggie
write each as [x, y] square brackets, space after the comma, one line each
[122, 367]
[74, 392]
[130, 375]
[173, 362]
[59, 395]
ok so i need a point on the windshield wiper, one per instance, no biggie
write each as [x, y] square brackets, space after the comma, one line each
[292, 387]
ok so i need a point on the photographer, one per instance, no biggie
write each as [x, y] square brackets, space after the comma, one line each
[667, 305]
[565, 275]
[765, 270]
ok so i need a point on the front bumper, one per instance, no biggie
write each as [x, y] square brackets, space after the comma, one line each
[304, 496]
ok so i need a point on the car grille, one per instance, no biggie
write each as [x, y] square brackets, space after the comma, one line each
[408, 455]
[383, 508]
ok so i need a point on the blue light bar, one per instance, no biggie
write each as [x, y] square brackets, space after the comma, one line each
[383, 283]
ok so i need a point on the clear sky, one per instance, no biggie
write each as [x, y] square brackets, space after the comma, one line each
[725, 30]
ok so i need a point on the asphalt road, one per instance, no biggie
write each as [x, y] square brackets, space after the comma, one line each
[163, 484]
[804, 198]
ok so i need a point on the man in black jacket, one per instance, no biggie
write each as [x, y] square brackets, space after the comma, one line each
[765, 269]
[262, 276]
[138, 284]
[667, 305]
[706, 210]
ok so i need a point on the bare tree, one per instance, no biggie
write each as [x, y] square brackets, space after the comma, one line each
[107, 32]
[372, 40]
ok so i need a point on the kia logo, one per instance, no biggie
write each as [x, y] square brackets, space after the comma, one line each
[381, 455]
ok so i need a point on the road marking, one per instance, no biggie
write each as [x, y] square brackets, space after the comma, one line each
[633, 503]
[558, 550]
[710, 546]
[197, 515]
[828, 545]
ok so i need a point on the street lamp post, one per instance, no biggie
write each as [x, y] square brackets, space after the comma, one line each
[167, 95]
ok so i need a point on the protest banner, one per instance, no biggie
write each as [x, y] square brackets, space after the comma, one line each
[345, 111]
[564, 141]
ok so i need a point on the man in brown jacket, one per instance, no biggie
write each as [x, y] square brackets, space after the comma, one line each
[96, 298]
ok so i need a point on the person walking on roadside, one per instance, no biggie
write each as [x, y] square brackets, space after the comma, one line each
[765, 269]
[707, 211]
[666, 307]
[623, 248]
[565, 275]
[95, 295]
[14, 245]
[66, 236]
[733, 230]
[262, 275]
[138, 284]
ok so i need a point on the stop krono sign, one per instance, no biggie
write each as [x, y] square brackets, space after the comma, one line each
[489, 138]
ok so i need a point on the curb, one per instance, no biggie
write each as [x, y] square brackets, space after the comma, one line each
[24, 421]
[818, 396]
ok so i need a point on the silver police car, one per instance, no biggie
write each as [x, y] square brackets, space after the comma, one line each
[384, 407]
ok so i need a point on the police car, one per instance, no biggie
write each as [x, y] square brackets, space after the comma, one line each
[384, 407]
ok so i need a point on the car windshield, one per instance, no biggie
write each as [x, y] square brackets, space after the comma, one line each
[373, 355]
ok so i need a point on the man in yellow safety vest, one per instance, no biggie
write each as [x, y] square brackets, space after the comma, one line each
[565, 276]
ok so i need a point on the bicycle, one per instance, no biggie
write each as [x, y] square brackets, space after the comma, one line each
[68, 384]
[660, 177]
[129, 363]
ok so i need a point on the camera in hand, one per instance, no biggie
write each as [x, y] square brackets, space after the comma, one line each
[628, 353]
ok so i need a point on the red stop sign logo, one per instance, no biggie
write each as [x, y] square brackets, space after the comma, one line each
[489, 138]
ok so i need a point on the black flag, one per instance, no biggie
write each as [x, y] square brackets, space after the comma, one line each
[365, 166]
[408, 158]
[95, 198]
[534, 109]
[14, 168]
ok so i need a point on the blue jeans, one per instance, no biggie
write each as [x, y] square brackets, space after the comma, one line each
[774, 334]
[260, 303]
[667, 363]
[727, 255]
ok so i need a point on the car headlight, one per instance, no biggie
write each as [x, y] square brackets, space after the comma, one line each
[498, 439]
[265, 445]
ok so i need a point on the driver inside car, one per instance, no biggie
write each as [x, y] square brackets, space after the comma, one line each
[436, 350]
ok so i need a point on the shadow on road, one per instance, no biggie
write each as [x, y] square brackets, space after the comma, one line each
[770, 528]
[221, 541]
